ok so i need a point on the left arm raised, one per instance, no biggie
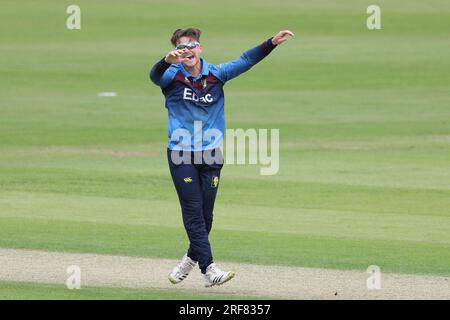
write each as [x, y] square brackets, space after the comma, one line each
[249, 58]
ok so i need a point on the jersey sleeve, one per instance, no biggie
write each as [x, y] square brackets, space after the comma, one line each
[231, 69]
[162, 73]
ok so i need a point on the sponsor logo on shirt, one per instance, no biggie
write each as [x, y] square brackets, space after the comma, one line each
[188, 94]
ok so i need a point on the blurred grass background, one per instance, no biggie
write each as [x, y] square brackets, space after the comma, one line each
[364, 119]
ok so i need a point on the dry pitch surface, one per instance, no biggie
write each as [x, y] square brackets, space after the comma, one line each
[278, 282]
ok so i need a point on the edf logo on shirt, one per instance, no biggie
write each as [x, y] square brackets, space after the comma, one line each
[188, 94]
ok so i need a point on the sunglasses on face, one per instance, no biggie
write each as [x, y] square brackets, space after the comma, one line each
[189, 45]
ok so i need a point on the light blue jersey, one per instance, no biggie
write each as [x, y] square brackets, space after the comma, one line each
[196, 105]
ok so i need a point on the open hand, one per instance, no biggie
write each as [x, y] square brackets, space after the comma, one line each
[282, 36]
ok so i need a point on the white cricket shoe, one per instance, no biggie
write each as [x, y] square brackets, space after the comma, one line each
[215, 277]
[181, 271]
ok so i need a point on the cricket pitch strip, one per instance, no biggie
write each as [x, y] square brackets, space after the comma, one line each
[272, 282]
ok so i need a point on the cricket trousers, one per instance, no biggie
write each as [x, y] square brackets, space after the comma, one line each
[197, 183]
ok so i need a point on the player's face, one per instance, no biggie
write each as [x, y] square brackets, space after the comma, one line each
[193, 54]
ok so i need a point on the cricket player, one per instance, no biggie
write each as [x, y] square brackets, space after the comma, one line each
[194, 98]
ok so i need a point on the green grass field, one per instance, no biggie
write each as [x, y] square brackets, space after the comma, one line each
[33, 291]
[364, 119]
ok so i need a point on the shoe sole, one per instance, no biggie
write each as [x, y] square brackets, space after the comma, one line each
[231, 275]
